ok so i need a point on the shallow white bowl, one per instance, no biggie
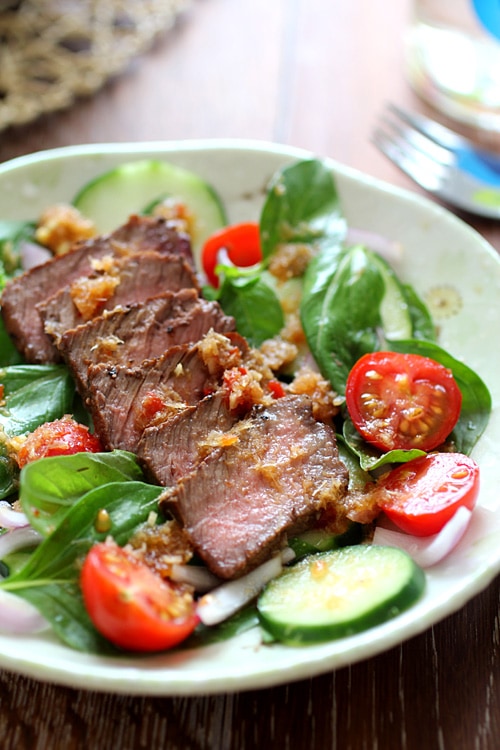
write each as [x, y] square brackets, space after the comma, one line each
[438, 250]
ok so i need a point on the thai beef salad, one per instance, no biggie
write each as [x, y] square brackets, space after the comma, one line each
[206, 427]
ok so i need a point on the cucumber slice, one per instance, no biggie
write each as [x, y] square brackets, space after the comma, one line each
[110, 198]
[394, 311]
[339, 593]
[317, 540]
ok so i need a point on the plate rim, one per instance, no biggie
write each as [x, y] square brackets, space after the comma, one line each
[164, 683]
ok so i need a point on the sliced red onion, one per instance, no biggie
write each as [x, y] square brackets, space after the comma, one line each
[427, 550]
[33, 255]
[201, 579]
[16, 539]
[10, 518]
[19, 616]
[390, 250]
[230, 597]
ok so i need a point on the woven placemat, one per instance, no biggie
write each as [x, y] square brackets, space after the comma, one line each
[54, 51]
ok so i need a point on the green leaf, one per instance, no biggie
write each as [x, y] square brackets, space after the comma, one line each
[51, 486]
[371, 459]
[9, 355]
[49, 578]
[254, 306]
[422, 323]
[340, 310]
[34, 394]
[476, 398]
[302, 206]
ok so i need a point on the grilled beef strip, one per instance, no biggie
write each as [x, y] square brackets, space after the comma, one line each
[123, 401]
[138, 277]
[274, 474]
[22, 294]
[172, 449]
[144, 331]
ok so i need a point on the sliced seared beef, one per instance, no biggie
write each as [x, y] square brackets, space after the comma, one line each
[138, 277]
[128, 336]
[22, 295]
[173, 448]
[278, 469]
[124, 401]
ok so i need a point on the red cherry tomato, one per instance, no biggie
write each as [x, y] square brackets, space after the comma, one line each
[240, 241]
[402, 401]
[130, 604]
[58, 438]
[422, 495]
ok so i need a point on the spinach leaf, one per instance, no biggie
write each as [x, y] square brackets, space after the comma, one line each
[9, 474]
[253, 304]
[476, 398]
[340, 310]
[49, 578]
[422, 323]
[371, 459]
[9, 355]
[301, 206]
[50, 487]
[34, 394]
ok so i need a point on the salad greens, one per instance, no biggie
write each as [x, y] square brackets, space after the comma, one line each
[352, 303]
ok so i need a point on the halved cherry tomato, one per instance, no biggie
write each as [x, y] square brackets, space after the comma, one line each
[422, 495]
[61, 437]
[240, 241]
[402, 401]
[130, 604]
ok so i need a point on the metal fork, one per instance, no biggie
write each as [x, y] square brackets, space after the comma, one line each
[441, 161]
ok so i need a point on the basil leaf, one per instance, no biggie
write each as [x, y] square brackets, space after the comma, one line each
[301, 205]
[34, 394]
[9, 355]
[61, 603]
[340, 310]
[422, 323]
[371, 459]
[49, 579]
[476, 398]
[254, 306]
[51, 486]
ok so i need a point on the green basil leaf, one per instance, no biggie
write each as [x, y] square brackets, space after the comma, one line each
[34, 394]
[422, 323]
[301, 205]
[340, 310]
[9, 355]
[371, 459]
[61, 603]
[50, 487]
[49, 578]
[476, 398]
[254, 306]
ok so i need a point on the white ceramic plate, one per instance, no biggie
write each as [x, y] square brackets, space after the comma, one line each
[437, 251]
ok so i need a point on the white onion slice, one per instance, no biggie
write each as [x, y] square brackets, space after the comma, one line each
[201, 579]
[16, 539]
[229, 597]
[19, 616]
[10, 518]
[388, 249]
[427, 550]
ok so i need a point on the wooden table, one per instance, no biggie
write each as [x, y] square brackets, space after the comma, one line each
[314, 74]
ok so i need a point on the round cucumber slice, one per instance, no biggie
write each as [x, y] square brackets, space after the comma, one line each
[339, 593]
[113, 196]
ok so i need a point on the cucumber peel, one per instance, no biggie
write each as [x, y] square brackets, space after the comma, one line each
[109, 199]
[339, 593]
